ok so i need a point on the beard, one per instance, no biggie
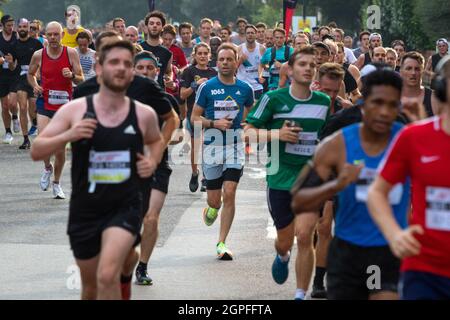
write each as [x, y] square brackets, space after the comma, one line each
[109, 83]
[23, 34]
[154, 35]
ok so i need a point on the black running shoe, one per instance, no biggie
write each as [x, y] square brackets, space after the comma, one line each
[318, 293]
[25, 145]
[193, 184]
[142, 278]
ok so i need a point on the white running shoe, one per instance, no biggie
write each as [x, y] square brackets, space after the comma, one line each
[8, 138]
[45, 178]
[16, 125]
[57, 192]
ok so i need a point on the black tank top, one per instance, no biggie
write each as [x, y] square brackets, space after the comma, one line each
[367, 59]
[349, 80]
[104, 173]
[427, 102]
[435, 60]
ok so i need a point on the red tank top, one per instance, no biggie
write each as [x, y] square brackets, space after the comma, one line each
[57, 88]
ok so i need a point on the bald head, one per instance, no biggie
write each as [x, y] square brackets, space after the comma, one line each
[54, 25]
[379, 55]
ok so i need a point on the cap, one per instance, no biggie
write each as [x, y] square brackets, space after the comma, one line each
[374, 35]
[441, 41]
[6, 18]
[321, 45]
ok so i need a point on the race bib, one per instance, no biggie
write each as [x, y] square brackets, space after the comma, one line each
[112, 167]
[252, 72]
[266, 74]
[366, 177]
[225, 109]
[306, 145]
[24, 70]
[438, 208]
[56, 97]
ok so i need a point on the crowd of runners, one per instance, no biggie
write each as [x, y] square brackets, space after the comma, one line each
[358, 145]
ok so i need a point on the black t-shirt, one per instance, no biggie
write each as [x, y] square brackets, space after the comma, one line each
[25, 51]
[192, 74]
[7, 47]
[164, 56]
[350, 82]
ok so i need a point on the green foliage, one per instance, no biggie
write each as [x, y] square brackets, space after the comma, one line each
[269, 15]
[435, 19]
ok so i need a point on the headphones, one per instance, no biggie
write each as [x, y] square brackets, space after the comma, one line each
[440, 84]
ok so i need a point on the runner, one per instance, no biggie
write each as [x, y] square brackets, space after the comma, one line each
[261, 33]
[59, 66]
[25, 48]
[399, 47]
[293, 118]
[35, 32]
[147, 92]
[73, 28]
[132, 34]
[155, 22]
[274, 58]
[185, 30]
[169, 34]
[421, 153]
[391, 58]
[225, 34]
[191, 79]
[240, 38]
[86, 54]
[301, 40]
[348, 42]
[8, 78]
[119, 26]
[339, 37]
[215, 43]
[221, 105]
[250, 54]
[353, 155]
[364, 44]
[106, 205]
[433, 61]
[352, 75]
[375, 41]
[206, 26]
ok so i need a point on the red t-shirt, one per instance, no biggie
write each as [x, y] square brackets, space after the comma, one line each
[179, 59]
[422, 152]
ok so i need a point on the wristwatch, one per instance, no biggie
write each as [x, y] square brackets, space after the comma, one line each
[211, 123]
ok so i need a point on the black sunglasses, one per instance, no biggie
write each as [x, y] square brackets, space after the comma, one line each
[33, 28]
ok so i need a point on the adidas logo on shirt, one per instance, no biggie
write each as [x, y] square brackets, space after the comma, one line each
[285, 108]
[238, 93]
[129, 130]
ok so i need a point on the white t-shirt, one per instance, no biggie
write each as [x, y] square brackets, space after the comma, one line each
[87, 62]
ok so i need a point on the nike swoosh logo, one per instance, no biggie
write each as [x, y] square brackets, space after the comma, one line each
[429, 159]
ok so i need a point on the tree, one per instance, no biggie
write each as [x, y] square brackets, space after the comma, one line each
[434, 16]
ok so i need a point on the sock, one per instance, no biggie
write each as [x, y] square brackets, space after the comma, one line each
[125, 279]
[34, 122]
[286, 257]
[8, 130]
[48, 167]
[142, 266]
[319, 276]
[14, 116]
[55, 182]
[25, 138]
[300, 294]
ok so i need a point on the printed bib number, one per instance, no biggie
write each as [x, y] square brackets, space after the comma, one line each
[56, 97]
[306, 145]
[225, 109]
[24, 70]
[252, 72]
[366, 177]
[266, 74]
[112, 167]
[438, 208]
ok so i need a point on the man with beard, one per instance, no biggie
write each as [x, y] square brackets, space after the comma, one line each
[59, 67]
[25, 48]
[108, 132]
[375, 41]
[155, 22]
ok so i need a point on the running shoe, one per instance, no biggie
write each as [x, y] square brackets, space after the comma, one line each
[248, 149]
[57, 191]
[318, 292]
[203, 188]
[33, 131]
[45, 178]
[223, 253]
[210, 215]
[8, 138]
[193, 184]
[16, 125]
[142, 278]
[280, 270]
[25, 145]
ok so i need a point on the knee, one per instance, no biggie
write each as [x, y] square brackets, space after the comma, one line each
[304, 237]
[229, 195]
[324, 230]
[214, 202]
[107, 277]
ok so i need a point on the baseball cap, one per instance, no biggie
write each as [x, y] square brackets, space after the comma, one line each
[6, 18]
[375, 35]
[441, 41]
[321, 45]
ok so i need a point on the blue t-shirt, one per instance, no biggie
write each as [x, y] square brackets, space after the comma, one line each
[280, 57]
[221, 100]
[353, 221]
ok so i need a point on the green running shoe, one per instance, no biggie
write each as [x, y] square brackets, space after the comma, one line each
[210, 215]
[223, 253]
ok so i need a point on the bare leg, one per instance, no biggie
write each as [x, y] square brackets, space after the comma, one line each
[42, 123]
[228, 210]
[6, 116]
[88, 273]
[22, 97]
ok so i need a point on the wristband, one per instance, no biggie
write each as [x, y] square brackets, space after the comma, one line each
[211, 123]
[194, 85]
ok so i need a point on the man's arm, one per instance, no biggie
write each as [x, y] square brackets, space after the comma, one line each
[171, 123]
[77, 71]
[311, 189]
[360, 62]
[33, 68]
[168, 71]
[283, 76]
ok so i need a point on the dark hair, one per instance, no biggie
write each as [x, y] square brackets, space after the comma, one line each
[332, 70]
[170, 29]
[308, 50]
[250, 26]
[319, 44]
[383, 76]
[228, 29]
[332, 24]
[156, 14]
[415, 56]
[324, 27]
[239, 20]
[117, 20]
[228, 46]
[279, 30]
[6, 18]
[107, 47]
[185, 25]
[363, 34]
[103, 35]
[328, 36]
[398, 43]
[83, 35]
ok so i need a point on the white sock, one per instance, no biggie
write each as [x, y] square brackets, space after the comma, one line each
[300, 294]
[286, 257]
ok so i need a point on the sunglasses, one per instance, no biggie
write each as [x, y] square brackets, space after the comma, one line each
[33, 28]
